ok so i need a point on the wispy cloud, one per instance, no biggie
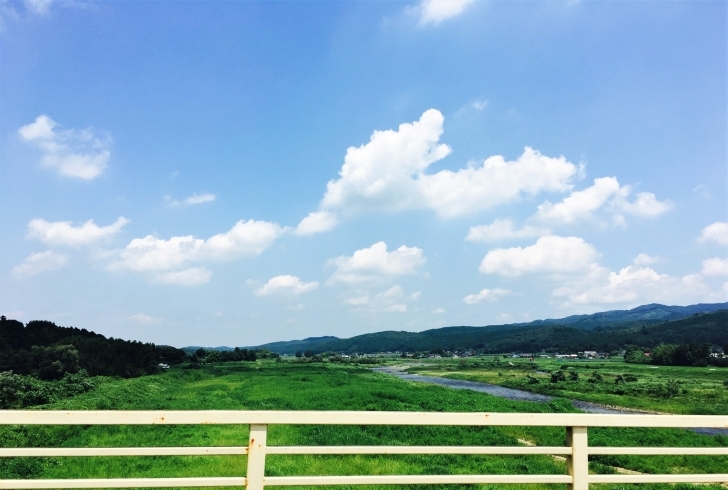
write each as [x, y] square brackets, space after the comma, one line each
[433, 12]
[40, 7]
[143, 319]
[191, 200]
[317, 222]
[82, 154]
[36, 263]
[502, 230]
[194, 276]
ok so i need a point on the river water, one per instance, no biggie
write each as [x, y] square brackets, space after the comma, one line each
[520, 395]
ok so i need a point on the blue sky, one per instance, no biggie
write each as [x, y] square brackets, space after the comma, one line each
[232, 173]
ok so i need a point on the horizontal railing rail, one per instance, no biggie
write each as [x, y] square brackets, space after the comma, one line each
[577, 450]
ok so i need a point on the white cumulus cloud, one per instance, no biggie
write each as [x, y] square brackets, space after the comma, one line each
[502, 230]
[376, 262]
[580, 204]
[486, 295]
[634, 285]
[244, 239]
[436, 11]
[497, 181]
[389, 174]
[715, 267]
[286, 283]
[194, 276]
[65, 233]
[716, 232]
[606, 193]
[645, 205]
[39, 262]
[82, 154]
[317, 222]
[550, 254]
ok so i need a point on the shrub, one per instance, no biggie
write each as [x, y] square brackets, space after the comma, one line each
[672, 388]
[573, 376]
[19, 391]
[558, 377]
[595, 378]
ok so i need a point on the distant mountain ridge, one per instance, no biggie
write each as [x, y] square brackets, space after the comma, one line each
[650, 312]
[572, 332]
[301, 344]
[190, 349]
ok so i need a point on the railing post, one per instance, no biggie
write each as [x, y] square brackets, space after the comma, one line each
[256, 457]
[578, 463]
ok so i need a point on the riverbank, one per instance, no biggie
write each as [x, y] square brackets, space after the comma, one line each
[520, 395]
[610, 383]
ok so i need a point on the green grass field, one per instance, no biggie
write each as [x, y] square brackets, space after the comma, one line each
[267, 385]
[666, 389]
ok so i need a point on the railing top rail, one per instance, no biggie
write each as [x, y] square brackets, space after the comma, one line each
[178, 417]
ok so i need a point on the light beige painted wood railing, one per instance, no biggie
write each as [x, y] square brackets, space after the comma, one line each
[576, 451]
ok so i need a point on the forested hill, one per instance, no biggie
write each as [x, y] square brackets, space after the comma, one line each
[645, 326]
[48, 351]
[645, 313]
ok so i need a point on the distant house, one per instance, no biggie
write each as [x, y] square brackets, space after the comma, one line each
[590, 353]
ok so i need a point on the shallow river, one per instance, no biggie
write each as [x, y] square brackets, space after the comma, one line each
[514, 394]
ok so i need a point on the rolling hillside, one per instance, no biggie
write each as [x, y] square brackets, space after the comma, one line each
[645, 326]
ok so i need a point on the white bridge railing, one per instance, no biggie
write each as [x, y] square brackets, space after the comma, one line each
[577, 450]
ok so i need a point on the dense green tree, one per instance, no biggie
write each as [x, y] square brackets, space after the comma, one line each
[48, 351]
[681, 355]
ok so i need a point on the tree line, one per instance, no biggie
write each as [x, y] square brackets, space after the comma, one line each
[237, 354]
[48, 351]
[692, 354]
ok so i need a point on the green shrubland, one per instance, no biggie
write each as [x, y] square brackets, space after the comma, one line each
[271, 385]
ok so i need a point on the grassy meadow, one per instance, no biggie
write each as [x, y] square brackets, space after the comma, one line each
[267, 385]
[665, 389]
